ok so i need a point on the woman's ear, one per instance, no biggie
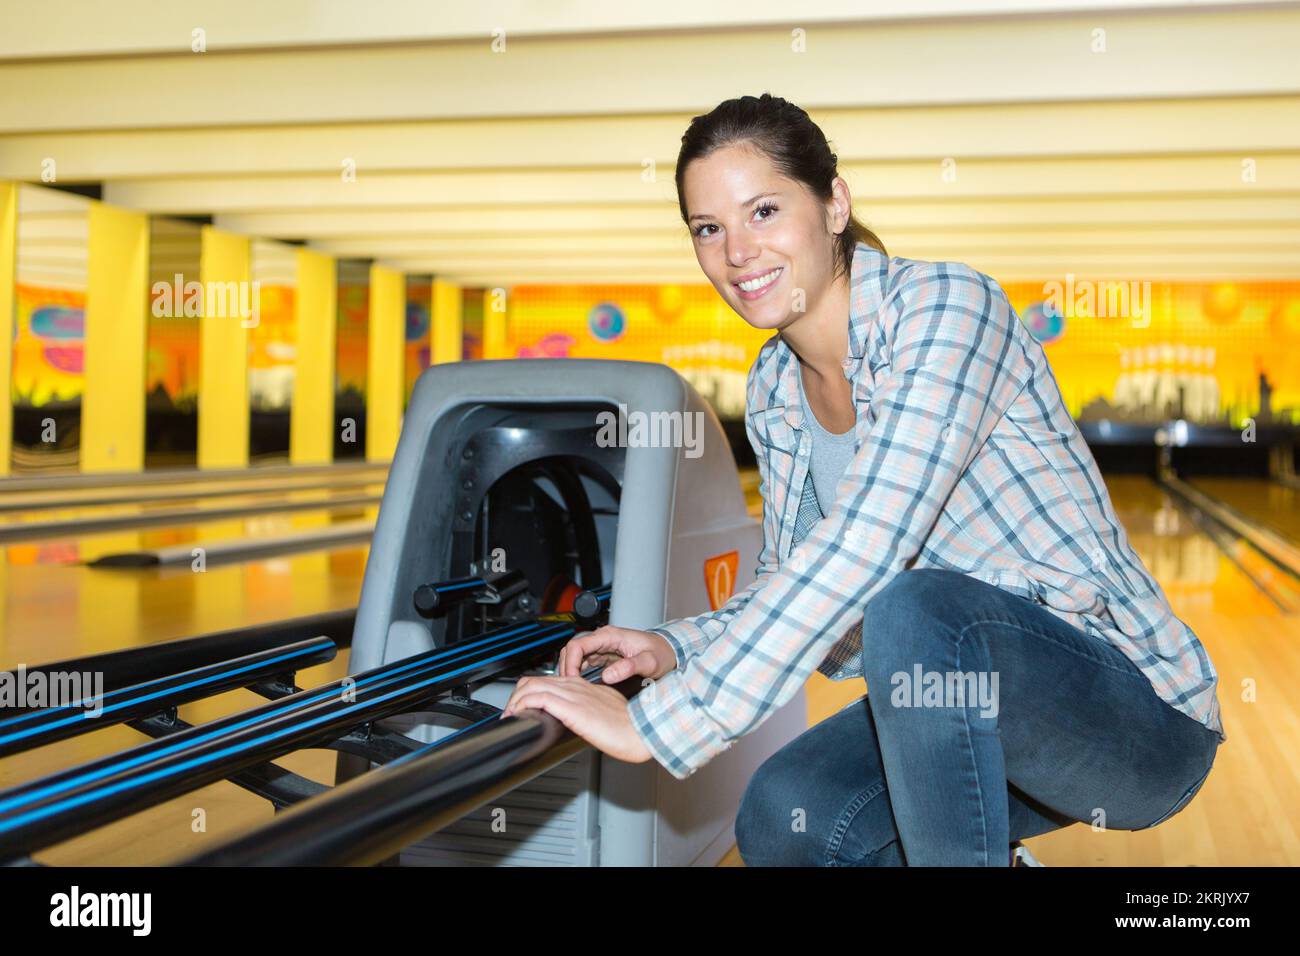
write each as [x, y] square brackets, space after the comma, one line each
[840, 205]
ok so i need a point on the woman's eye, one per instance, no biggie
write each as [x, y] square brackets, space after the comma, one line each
[765, 208]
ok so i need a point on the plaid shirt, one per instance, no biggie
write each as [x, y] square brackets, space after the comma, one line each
[967, 459]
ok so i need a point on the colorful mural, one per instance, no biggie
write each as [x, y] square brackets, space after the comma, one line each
[1210, 352]
[1141, 351]
[48, 337]
[272, 350]
[685, 326]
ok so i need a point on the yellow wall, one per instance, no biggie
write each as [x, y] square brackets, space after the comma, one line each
[385, 366]
[311, 423]
[117, 315]
[223, 354]
[448, 323]
[498, 322]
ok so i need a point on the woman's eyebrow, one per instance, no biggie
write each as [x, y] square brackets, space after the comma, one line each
[747, 202]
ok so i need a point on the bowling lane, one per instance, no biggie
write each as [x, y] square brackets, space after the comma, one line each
[1195, 574]
[1273, 505]
[132, 492]
[88, 547]
[55, 483]
[49, 523]
[52, 607]
[53, 613]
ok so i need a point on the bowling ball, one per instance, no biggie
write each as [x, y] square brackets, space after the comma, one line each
[605, 322]
[1045, 324]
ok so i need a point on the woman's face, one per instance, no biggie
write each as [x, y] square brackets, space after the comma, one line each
[750, 224]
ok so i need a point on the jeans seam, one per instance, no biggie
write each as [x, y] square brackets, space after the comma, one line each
[970, 753]
[1184, 799]
[1037, 632]
[846, 818]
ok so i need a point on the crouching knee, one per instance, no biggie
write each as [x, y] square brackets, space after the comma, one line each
[771, 826]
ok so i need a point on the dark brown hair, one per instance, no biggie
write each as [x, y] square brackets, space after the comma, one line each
[787, 136]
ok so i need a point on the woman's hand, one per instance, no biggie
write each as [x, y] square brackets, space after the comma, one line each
[623, 652]
[596, 713]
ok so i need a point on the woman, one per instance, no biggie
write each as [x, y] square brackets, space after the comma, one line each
[933, 522]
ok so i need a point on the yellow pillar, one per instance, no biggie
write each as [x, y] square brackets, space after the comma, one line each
[496, 343]
[311, 420]
[230, 307]
[8, 256]
[385, 362]
[448, 319]
[116, 340]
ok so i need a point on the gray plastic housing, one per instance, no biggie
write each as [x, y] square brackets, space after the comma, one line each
[680, 503]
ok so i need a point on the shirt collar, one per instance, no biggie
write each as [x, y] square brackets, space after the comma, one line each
[778, 361]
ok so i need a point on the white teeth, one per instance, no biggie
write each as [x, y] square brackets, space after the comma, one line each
[753, 285]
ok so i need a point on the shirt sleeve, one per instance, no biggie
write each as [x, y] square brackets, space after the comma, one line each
[956, 364]
[689, 635]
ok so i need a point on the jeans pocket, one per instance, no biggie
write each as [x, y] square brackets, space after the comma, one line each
[1184, 800]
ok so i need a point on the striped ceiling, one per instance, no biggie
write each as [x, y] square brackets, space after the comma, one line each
[503, 143]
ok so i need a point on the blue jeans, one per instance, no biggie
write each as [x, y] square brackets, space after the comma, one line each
[988, 719]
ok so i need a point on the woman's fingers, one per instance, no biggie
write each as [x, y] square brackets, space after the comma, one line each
[620, 670]
[536, 693]
[574, 654]
[597, 714]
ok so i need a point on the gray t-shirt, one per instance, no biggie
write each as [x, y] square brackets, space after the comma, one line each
[830, 455]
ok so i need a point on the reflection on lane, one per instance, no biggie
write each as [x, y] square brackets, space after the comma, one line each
[193, 529]
[1194, 572]
[1273, 505]
[53, 612]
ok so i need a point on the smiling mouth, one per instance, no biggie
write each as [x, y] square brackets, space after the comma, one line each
[761, 282]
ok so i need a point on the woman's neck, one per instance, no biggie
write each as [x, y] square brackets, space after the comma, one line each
[820, 337]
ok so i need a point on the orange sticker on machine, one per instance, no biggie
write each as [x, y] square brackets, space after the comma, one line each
[720, 577]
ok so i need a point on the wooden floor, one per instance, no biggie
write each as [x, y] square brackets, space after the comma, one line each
[1248, 812]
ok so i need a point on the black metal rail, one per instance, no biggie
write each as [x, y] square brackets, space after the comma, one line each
[136, 665]
[34, 728]
[374, 816]
[52, 809]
